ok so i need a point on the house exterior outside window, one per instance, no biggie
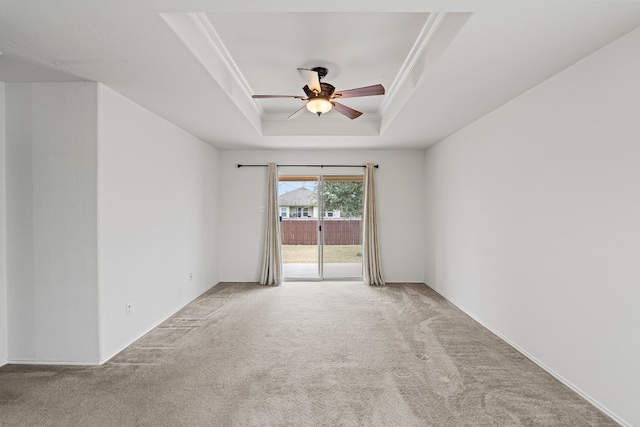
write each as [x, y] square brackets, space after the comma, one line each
[301, 203]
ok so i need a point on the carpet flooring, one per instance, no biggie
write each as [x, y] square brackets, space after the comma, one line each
[302, 354]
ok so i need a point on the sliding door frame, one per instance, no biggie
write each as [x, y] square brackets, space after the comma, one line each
[320, 229]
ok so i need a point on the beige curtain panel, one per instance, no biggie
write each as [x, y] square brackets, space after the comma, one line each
[271, 273]
[371, 250]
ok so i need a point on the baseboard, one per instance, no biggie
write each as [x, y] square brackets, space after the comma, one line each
[50, 362]
[405, 283]
[551, 372]
[105, 360]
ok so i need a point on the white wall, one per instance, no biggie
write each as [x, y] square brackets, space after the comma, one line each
[106, 204]
[51, 222]
[157, 198]
[3, 237]
[400, 180]
[533, 213]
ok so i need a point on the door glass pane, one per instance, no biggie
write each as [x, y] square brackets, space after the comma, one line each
[298, 200]
[342, 226]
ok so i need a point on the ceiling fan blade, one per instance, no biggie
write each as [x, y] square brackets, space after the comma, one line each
[298, 113]
[277, 96]
[312, 78]
[361, 91]
[349, 112]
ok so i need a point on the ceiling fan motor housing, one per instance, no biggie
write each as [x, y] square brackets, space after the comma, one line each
[326, 90]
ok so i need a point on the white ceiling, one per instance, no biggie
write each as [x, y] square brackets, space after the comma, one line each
[444, 64]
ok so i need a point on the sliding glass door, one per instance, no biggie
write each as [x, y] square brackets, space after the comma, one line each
[321, 226]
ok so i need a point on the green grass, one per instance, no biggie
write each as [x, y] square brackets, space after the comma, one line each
[294, 254]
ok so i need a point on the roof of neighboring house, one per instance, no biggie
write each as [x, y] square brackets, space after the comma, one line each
[298, 197]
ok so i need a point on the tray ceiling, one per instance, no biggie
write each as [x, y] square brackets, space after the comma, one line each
[196, 63]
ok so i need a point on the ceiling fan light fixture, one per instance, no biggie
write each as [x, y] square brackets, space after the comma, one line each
[319, 105]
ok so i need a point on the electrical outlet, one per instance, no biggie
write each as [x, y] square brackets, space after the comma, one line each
[190, 276]
[129, 308]
[262, 209]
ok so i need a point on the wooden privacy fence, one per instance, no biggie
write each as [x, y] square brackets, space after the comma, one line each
[336, 231]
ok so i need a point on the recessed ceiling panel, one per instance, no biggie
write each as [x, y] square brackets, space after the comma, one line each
[259, 54]
[358, 49]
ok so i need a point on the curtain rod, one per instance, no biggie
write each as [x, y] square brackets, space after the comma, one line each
[309, 166]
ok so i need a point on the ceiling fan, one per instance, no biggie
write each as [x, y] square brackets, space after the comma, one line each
[320, 97]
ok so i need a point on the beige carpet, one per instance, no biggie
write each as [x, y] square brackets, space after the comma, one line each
[302, 354]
